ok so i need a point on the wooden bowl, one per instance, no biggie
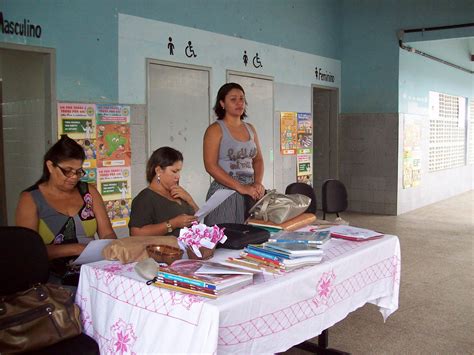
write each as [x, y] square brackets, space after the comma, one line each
[164, 253]
[205, 252]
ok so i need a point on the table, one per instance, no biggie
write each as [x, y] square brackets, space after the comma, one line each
[126, 316]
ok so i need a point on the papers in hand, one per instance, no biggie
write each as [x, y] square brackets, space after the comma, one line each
[353, 233]
[92, 252]
[215, 200]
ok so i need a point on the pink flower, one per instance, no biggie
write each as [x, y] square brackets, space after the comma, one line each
[121, 344]
[324, 288]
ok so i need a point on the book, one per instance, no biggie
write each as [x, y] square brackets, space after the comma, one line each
[295, 249]
[354, 233]
[310, 237]
[185, 290]
[187, 271]
[290, 225]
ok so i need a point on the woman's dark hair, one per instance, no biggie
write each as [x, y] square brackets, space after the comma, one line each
[162, 157]
[64, 149]
[221, 94]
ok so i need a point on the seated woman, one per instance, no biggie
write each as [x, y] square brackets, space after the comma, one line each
[65, 211]
[163, 207]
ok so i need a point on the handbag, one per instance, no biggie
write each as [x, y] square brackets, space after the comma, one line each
[279, 208]
[241, 235]
[38, 317]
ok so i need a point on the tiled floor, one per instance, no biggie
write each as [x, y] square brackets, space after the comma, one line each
[435, 314]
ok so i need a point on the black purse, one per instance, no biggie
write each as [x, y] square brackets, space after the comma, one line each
[241, 235]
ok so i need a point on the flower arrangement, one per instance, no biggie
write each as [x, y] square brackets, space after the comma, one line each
[200, 239]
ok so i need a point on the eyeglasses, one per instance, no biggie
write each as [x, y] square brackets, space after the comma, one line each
[71, 172]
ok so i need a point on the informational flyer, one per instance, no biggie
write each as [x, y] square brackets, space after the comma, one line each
[103, 131]
[411, 152]
[114, 183]
[114, 186]
[113, 145]
[305, 133]
[108, 114]
[77, 120]
[303, 163]
[288, 133]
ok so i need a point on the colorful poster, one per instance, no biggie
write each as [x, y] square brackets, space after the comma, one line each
[411, 152]
[288, 133]
[77, 120]
[305, 133]
[114, 183]
[113, 145]
[103, 131]
[303, 163]
[89, 146]
[91, 176]
[107, 114]
[118, 211]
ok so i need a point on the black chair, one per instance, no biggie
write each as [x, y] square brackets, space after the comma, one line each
[303, 189]
[24, 263]
[333, 197]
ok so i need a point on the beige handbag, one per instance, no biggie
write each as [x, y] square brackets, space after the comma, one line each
[279, 208]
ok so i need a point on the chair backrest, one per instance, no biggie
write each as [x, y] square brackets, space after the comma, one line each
[304, 189]
[23, 259]
[333, 196]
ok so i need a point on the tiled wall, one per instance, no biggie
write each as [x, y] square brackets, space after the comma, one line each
[23, 132]
[368, 156]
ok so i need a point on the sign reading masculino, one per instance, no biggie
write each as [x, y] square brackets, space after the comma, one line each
[24, 28]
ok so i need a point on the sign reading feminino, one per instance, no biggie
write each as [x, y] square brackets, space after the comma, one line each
[24, 28]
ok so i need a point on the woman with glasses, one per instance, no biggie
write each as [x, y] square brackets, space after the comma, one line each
[65, 211]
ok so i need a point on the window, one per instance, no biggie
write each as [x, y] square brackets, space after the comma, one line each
[447, 146]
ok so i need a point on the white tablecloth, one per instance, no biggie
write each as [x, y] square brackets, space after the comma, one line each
[126, 316]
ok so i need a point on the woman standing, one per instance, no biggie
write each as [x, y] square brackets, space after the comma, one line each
[232, 156]
[65, 211]
[163, 207]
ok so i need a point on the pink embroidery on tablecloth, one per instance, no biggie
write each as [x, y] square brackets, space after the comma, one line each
[122, 338]
[109, 271]
[184, 300]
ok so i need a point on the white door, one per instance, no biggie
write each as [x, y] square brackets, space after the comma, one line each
[259, 95]
[178, 115]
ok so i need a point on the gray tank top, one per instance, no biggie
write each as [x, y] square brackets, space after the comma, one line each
[236, 157]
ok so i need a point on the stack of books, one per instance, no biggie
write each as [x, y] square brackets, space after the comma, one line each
[317, 237]
[278, 257]
[202, 278]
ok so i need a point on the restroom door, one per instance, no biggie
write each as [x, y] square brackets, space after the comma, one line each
[3, 197]
[178, 115]
[259, 95]
[325, 152]
[27, 127]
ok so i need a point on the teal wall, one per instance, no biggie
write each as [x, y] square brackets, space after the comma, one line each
[370, 51]
[85, 32]
[420, 75]
[361, 33]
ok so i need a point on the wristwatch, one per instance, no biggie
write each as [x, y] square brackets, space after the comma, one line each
[169, 229]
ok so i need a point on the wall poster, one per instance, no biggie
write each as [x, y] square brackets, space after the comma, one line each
[103, 130]
[305, 148]
[411, 152]
[288, 133]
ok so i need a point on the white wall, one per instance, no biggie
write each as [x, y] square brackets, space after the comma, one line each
[293, 72]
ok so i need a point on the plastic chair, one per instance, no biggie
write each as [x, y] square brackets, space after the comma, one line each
[333, 197]
[304, 189]
[24, 263]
